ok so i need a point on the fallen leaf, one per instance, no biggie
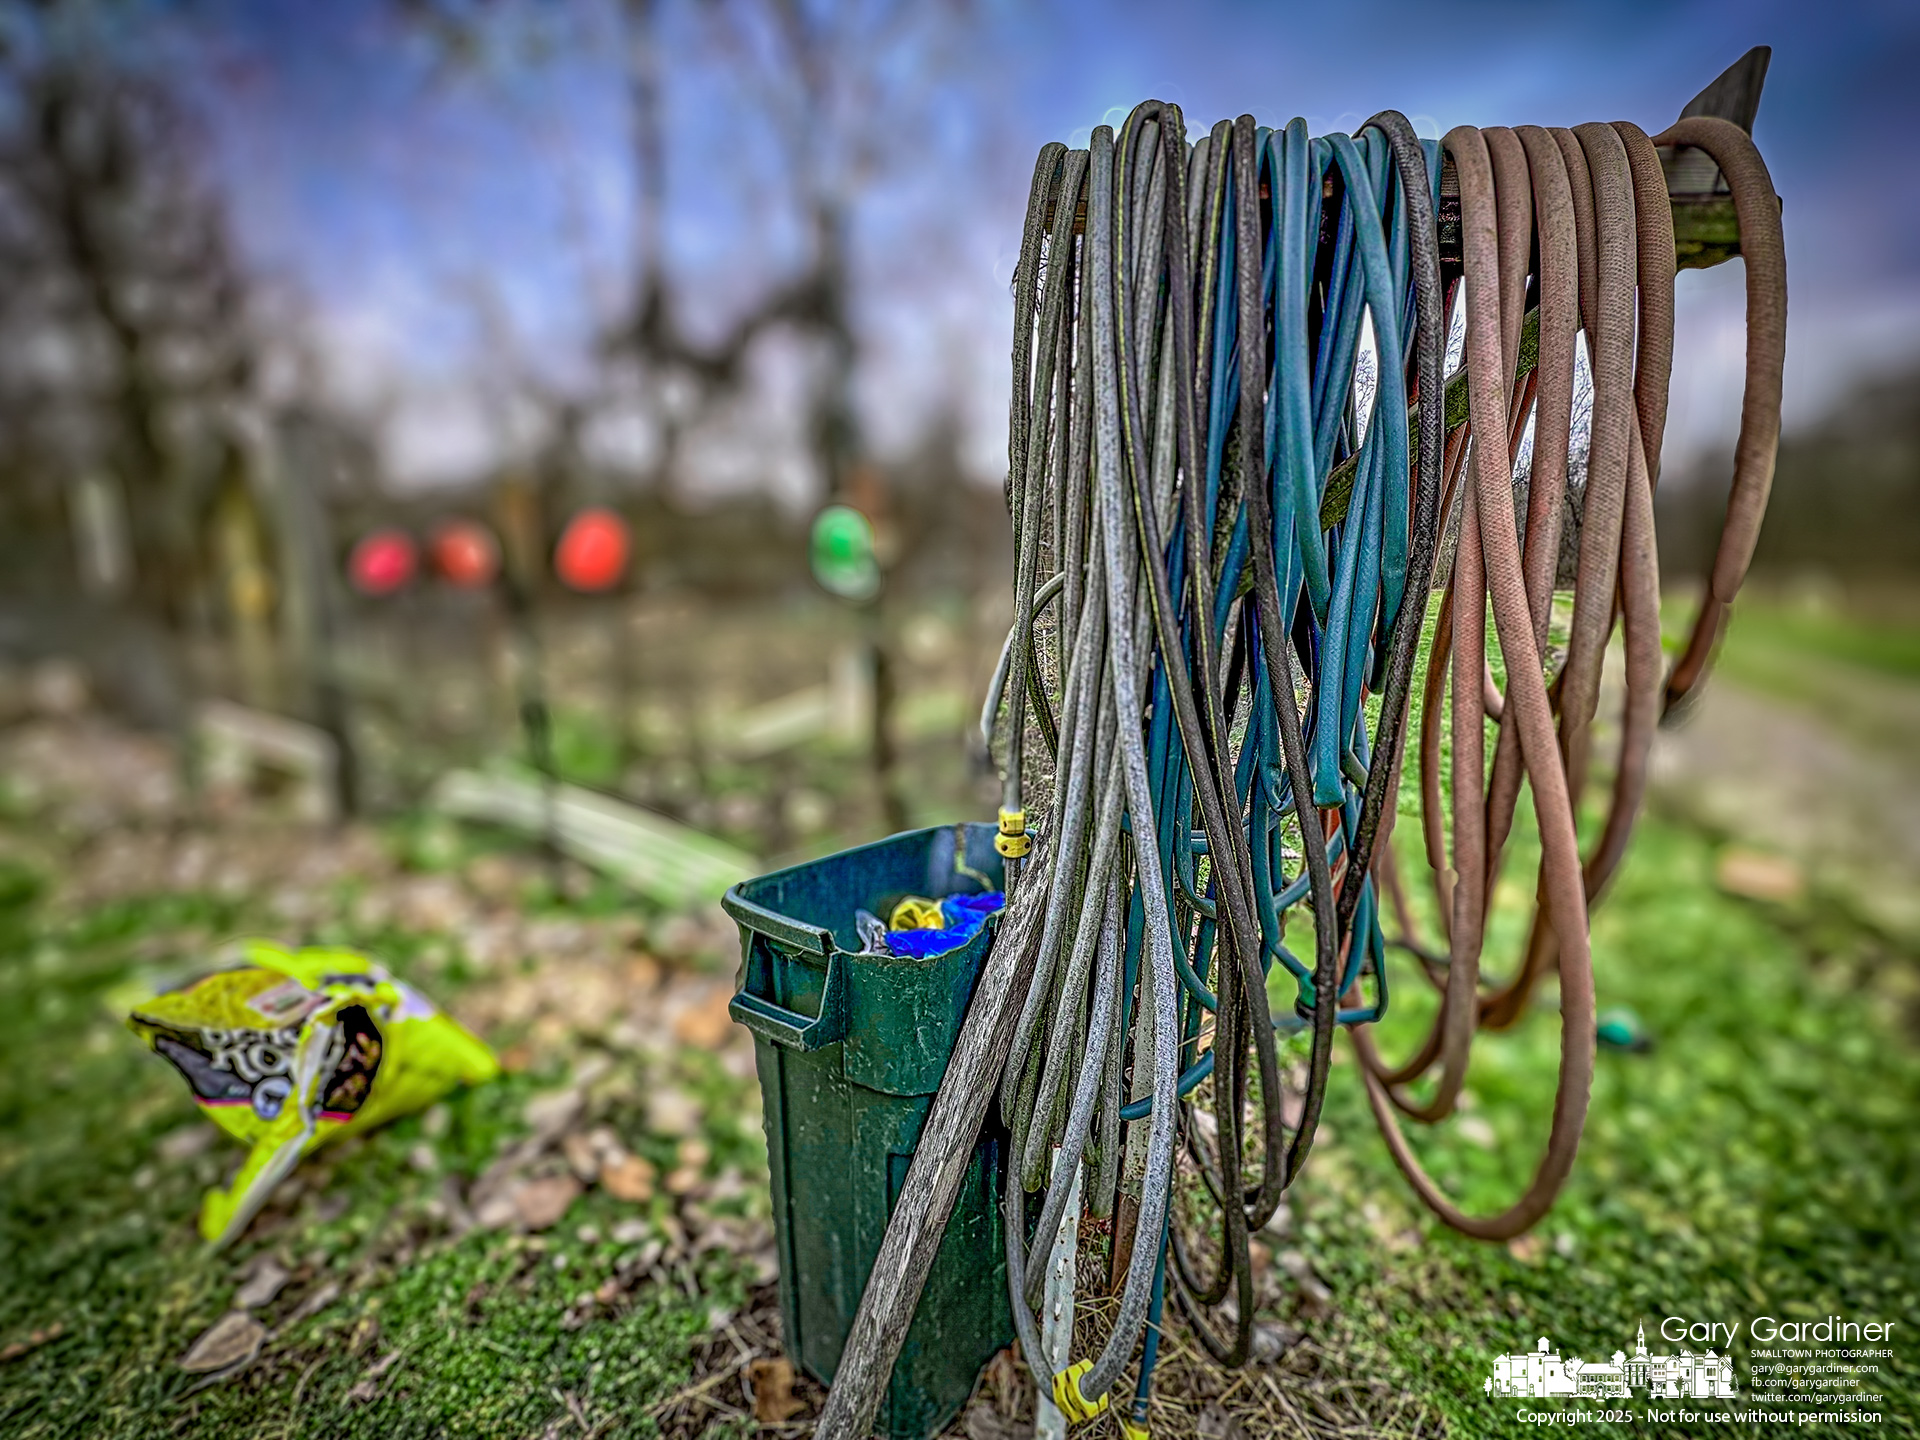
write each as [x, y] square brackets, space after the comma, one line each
[1293, 1106]
[496, 877]
[580, 1312]
[707, 1025]
[552, 1114]
[233, 1339]
[590, 1070]
[186, 1142]
[319, 1300]
[1756, 876]
[772, 1384]
[582, 1157]
[1476, 1130]
[269, 1278]
[33, 1341]
[1005, 1379]
[1316, 1298]
[641, 1261]
[983, 1422]
[368, 1385]
[672, 1112]
[1270, 1341]
[541, 1204]
[498, 1210]
[630, 1178]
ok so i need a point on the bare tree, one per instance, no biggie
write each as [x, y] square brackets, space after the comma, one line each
[814, 110]
[126, 308]
[133, 363]
[842, 90]
[843, 96]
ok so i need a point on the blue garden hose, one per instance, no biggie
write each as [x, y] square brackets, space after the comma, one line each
[1235, 586]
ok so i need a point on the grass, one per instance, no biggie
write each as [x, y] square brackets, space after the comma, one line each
[1859, 675]
[1805, 626]
[1759, 1160]
[96, 1237]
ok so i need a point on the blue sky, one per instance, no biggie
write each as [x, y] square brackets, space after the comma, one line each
[452, 229]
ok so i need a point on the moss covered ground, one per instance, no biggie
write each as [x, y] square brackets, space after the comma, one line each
[1759, 1159]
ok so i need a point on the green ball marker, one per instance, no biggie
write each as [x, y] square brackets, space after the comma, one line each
[842, 553]
[1619, 1027]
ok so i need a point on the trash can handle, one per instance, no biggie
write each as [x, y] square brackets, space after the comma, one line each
[786, 1027]
[790, 932]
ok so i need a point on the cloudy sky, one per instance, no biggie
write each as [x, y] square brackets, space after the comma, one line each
[457, 219]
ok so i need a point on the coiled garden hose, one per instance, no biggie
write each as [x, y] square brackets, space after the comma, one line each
[1234, 456]
[1605, 263]
[1139, 327]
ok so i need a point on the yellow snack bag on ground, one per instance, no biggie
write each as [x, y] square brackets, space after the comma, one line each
[299, 1047]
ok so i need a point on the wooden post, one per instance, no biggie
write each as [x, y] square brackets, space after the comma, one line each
[933, 1179]
[288, 475]
[247, 588]
[523, 534]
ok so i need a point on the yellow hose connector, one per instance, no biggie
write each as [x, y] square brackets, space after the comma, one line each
[1067, 1395]
[1013, 841]
[1131, 1431]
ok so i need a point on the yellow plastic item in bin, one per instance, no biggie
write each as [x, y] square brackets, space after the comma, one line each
[916, 912]
[299, 1047]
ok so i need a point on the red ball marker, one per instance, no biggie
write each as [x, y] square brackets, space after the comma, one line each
[593, 551]
[383, 562]
[465, 554]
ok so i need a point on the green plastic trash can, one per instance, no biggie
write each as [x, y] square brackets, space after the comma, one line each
[851, 1048]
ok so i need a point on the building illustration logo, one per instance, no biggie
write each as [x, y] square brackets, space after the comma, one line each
[1544, 1375]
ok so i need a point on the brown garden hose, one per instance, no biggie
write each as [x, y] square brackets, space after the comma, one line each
[1588, 210]
[1764, 248]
